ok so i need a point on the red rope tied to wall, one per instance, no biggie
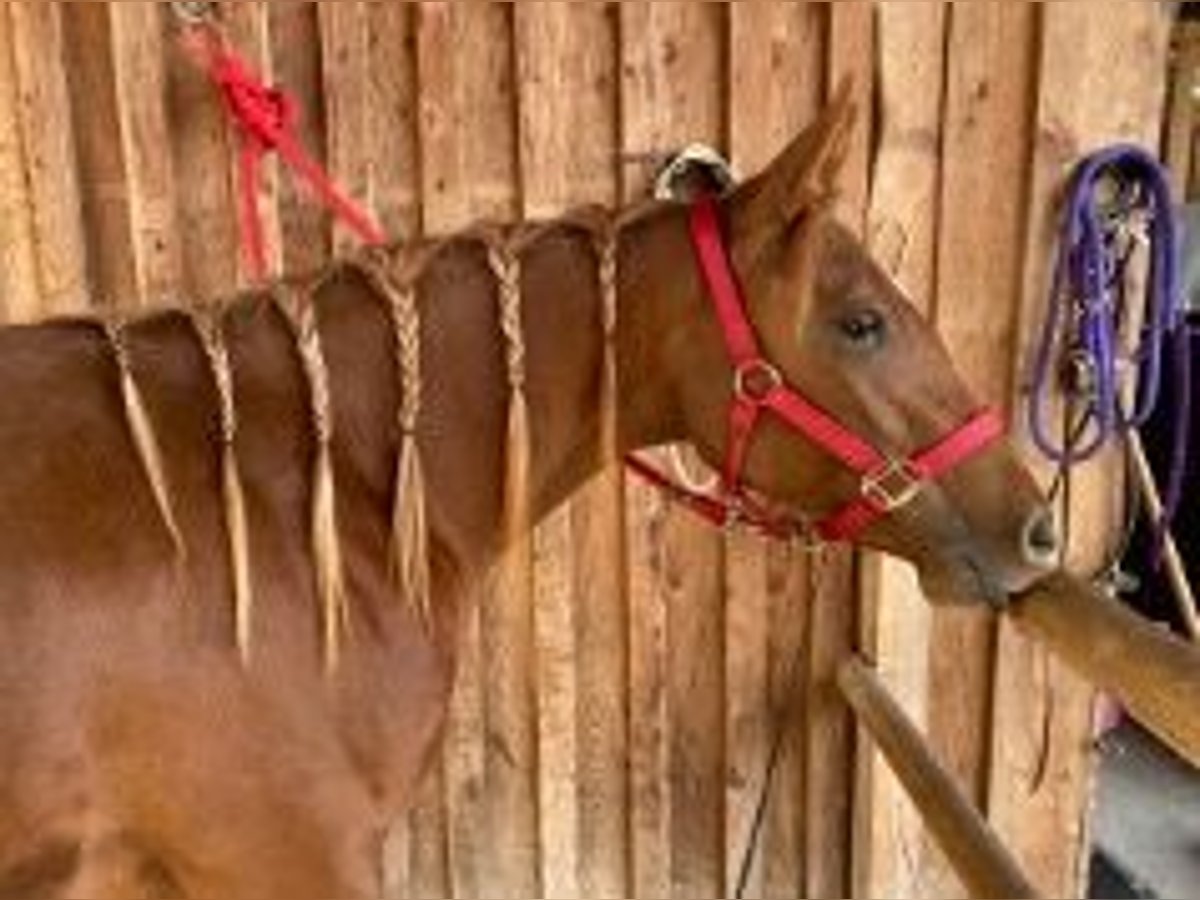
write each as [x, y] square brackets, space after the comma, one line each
[267, 119]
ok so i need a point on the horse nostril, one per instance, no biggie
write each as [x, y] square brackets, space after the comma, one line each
[1041, 542]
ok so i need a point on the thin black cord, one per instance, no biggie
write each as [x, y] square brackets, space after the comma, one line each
[775, 760]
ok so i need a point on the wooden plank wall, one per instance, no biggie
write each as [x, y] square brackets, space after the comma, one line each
[661, 653]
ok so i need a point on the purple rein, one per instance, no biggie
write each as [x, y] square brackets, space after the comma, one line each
[1089, 310]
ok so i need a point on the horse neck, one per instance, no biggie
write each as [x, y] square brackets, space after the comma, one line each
[466, 387]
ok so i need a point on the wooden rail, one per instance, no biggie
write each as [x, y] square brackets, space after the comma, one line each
[1154, 674]
[984, 864]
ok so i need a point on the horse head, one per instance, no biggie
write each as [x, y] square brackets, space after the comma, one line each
[840, 333]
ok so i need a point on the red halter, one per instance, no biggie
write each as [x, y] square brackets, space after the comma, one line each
[760, 388]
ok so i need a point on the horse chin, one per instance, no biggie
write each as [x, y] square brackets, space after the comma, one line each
[959, 579]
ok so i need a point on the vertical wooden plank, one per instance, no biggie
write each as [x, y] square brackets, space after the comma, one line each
[776, 81]
[467, 137]
[557, 754]
[49, 153]
[830, 749]
[990, 76]
[830, 752]
[137, 37]
[1041, 736]
[201, 141]
[784, 857]
[466, 111]
[392, 137]
[902, 230]
[672, 69]
[20, 297]
[108, 228]
[566, 75]
[249, 26]
[294, 57]
[852, 55]
[649, 760]
[1181, 122]
[424, 843]
[346, 66]
[368, 95]
[369, 79]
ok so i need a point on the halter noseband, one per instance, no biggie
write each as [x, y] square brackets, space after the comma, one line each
[760, 388]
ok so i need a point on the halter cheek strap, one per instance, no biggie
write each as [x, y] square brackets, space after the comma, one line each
[760, 389]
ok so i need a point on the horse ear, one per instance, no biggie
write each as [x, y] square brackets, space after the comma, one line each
[805, 174]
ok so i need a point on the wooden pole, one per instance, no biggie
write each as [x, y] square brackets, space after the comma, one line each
[1154, 674]
[1176, 572]
[982, 862]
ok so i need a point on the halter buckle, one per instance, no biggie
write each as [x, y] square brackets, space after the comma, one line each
[893, 485]
[755, 380]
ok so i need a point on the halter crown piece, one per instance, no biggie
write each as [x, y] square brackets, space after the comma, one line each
[760, 389]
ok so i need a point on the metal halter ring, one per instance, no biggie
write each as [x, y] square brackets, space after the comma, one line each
[893, 485]
[748, 373]
[194, 12]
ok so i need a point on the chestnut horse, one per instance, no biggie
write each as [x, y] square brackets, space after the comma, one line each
[179, 487]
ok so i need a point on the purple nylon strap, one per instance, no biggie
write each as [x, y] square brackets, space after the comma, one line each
[1088, 307]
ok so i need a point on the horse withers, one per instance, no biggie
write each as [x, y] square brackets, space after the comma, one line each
[212, 682]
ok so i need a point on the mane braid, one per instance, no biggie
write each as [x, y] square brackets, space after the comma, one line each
[297, 307]
[208, 327]
[141, 430]
[506, 267]
[410, 527]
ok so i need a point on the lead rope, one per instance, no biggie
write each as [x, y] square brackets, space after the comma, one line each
[1089, 310]
[207, 325]
[817, 562]
[267, 119]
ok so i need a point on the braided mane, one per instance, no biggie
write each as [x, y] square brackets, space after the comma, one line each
[394, 274]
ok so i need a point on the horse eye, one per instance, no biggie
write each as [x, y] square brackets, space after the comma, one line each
[865, 329]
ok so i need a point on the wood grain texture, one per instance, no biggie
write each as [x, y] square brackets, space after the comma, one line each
[346, 67]
[566, 59]
[659, 651]
[672, 67]
[103, 180]
[139, 72]
[1180, 143]
[1154, 673]
[981, 861]
[392, 144]
[20, 297]
[777, 71]
[1041, 750]
[467, 123]
[988, 103]
[902, 230]
[251, 27]
[50, 174]
[834, 623]
[294, 55]
[468, 153]
[203, 148]
[777, 56]
[650, 808]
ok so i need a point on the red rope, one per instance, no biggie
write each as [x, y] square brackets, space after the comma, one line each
[266, 118]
